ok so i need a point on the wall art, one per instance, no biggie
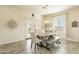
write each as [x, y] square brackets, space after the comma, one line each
[11, 24]
[75, 24]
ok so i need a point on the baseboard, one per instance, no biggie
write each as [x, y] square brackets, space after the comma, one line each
[71, 39]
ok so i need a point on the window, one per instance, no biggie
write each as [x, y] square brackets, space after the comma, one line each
[58, 21]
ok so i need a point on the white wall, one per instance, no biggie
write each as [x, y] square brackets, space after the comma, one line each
[21, 16]
[71, 14]
[73, 32]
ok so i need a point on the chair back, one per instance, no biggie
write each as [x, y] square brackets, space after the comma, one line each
[33, 37]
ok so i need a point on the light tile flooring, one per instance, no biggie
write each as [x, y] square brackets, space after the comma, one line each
[66, 47]
[24, 47]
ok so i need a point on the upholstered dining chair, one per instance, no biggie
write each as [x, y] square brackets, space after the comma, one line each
[34, 40]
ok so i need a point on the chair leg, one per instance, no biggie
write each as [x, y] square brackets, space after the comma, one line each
[35, 46]
[31, 44]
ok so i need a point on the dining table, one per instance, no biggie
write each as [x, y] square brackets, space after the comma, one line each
[47, 40]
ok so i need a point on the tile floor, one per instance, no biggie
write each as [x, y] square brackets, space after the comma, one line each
[24, 47]
[66, 47]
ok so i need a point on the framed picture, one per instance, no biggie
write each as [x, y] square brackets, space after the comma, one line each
[47, 25]
[75, 24]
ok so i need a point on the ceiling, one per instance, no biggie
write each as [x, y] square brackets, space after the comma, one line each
[46, 9]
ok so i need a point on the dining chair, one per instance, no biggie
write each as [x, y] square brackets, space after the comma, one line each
[34, 40]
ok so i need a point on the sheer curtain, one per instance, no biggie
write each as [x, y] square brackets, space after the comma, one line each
[58, 25]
